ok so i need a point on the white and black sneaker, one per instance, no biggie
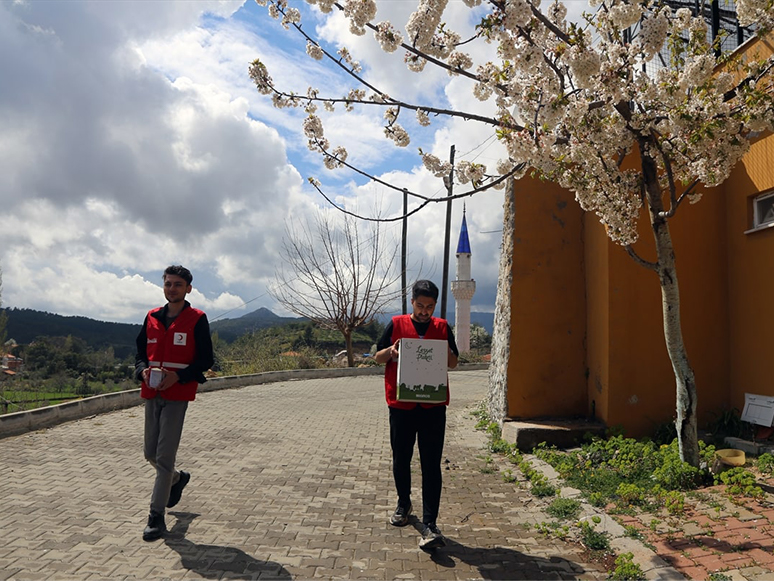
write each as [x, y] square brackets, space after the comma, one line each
[401, 515]
[431, 538]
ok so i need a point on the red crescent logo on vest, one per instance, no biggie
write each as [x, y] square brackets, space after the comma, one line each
[180, 338]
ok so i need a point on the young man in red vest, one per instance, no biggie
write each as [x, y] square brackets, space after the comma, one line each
[174, 349]
[410, 422]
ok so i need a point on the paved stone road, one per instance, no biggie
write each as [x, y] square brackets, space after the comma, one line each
[290, 481]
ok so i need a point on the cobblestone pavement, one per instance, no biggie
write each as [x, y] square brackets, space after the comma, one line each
[290, 480]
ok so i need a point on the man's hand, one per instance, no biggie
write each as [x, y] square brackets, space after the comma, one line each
[169, 379]
[388, 353]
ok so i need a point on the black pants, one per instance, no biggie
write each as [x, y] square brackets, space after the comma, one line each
[427, 427]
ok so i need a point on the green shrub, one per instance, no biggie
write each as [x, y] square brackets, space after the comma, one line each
[630, 493]
[672, 500]
[564, 508]
[765, 463]
[542, 488]
[593, 539]
[740, 482]
[626, 569]
[673, 473]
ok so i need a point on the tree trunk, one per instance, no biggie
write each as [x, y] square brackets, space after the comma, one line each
[348, 343]
[497, 401]
[686, 421]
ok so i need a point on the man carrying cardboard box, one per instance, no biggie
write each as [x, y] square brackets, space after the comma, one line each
[412, 421]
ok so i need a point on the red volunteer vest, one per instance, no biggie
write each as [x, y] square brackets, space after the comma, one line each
[403, 328]
[172, 349]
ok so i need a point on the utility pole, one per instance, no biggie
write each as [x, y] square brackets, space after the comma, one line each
[449, 181]
[403, 250]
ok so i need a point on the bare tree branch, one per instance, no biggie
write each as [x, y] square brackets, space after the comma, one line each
[336, 279]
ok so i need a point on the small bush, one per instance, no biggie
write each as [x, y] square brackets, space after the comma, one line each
[542, 488]
[630, 493]
[564, 508]
[673, 473]
[673, 501]
[593, 539]
[765, 463]
[740, 482]
[626, 569]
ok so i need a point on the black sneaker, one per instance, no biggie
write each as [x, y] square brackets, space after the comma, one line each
[431, 538]
[400, 517]
[156, 527]
[177, 489]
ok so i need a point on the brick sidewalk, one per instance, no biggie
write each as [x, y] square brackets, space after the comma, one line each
[290, 480]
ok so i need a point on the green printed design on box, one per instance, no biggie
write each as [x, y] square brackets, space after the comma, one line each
[427, 393]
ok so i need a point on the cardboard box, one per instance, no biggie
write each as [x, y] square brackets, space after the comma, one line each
[423, 370]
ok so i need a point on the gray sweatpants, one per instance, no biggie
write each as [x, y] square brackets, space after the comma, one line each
[163, 429]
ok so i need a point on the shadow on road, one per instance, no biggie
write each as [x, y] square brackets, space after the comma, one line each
[502, 563]
[215, 562]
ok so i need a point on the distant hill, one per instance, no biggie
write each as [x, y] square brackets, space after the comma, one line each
[24, 325]
[231, 329]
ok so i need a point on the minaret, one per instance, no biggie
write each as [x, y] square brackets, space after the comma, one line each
[463, 289]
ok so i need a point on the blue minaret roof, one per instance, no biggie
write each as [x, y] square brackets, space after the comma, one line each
[463, 246]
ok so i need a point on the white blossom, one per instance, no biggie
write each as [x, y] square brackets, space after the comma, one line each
[697, 71]
[469, 172]
[389, 38]
[359, 12]
[759, 12]
[415, 63]
[623, 16]
[653, 34]
[459, 60]
[424, 21]
[399, 135]
[434, 164]
[291, 16]
[347, 58]
[260, 76]
[314, 50]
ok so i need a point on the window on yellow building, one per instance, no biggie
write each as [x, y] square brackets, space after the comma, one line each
[763, 210]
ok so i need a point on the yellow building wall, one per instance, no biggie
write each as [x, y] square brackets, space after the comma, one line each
[547, 375]
[750, 277]
[596, 250]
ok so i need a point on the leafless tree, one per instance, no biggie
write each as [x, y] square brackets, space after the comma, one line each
[335, 276]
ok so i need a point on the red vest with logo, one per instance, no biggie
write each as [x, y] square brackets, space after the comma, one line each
[173, 349]
[403, 328]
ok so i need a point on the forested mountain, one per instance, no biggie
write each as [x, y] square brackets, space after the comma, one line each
[263, 318]
[24, 325]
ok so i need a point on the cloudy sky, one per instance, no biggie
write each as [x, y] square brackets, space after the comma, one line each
[131, 137]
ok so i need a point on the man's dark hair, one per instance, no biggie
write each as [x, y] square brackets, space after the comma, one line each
[424, 288]
[180, 271]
